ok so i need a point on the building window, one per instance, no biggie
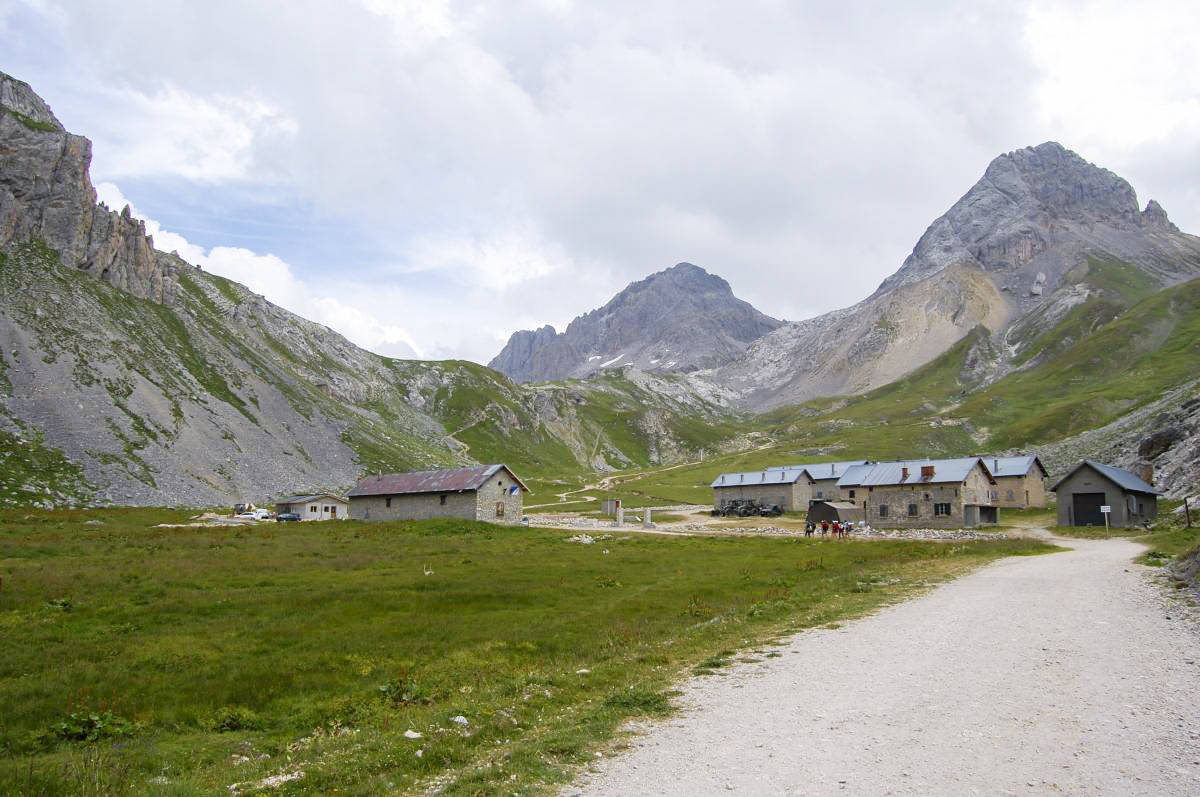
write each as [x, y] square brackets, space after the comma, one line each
[851, 493]
[883, 510]
[912, 510]
[387, 502]
[312, 509]
[819, 495]
[925, 496]
[442, 500]
[941, 510]
[499, 509]
[996, 494]
[1010, 495]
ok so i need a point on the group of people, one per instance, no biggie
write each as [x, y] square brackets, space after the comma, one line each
[838, 527]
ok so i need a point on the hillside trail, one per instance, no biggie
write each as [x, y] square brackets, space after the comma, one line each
[1069, 673]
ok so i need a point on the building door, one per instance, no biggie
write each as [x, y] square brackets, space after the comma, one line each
[970, 515]
[1085, 508]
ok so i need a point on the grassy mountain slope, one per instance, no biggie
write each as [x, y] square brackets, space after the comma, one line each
[216, 394]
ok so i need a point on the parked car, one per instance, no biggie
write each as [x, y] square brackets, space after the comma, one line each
[285, 517]
[257, 514]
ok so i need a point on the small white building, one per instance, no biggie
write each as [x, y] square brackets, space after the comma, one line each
[315, 507]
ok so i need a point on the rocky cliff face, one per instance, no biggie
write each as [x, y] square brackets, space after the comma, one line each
[46, 195]
[680, 319]
[128, 376]
[1022, 248]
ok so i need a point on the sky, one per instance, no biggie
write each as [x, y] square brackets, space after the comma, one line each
[427, 177]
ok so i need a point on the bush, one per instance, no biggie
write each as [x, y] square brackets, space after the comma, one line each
[81, 727]
[234, 718]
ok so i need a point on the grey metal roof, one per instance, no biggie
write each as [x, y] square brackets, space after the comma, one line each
[823, 470]
[304, 499]
[854, 474]
[430, 481]
[883, 474]
[1012, 466]
[758, 477]
[1123, 478]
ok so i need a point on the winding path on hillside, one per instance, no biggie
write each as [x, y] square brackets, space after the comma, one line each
[1065, 674]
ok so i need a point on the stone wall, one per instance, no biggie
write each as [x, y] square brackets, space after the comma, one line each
[975, 490]
[420, 506]
[497, 502]
[791, 497]
[1026, 491]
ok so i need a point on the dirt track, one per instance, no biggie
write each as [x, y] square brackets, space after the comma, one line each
[1070, 673]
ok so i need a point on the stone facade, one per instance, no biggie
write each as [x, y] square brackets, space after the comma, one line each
[1020, 492]
[936, 505]
[493, 501]
[792, 496]
[1081, 492]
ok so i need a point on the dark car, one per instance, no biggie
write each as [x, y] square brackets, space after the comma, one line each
[283, 517]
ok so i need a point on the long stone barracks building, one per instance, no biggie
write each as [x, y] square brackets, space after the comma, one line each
[487, 492]
[1020, 481]
[937, 493]
[786, 487]
[1092, 485]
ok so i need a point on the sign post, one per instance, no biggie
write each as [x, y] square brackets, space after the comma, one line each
[1105, 510]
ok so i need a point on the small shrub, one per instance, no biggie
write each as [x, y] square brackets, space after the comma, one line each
[62, 604]
[404, 692]
[82, 727]
[234, 718]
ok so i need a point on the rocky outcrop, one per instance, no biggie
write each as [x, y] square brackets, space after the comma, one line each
[1021, 243]
[47, 195]
[680, 319]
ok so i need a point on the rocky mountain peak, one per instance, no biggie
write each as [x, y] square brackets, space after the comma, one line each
[18, 98]
[678, 319]
[1154, 216]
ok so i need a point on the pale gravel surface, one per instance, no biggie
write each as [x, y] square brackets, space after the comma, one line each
[1065, 674]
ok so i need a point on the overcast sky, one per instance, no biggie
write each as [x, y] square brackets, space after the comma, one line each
[429, 177]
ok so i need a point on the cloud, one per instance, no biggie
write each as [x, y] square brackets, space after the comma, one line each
[481, 167]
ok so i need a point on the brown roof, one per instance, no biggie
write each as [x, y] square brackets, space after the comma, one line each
[430, 481]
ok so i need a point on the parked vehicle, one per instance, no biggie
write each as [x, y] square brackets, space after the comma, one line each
[287, 517]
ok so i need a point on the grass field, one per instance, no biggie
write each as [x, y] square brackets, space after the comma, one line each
[183, 661]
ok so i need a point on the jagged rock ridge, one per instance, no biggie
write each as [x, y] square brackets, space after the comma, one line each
[1014, 255]
[680, 319]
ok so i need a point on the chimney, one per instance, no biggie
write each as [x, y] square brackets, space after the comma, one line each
[833, 469]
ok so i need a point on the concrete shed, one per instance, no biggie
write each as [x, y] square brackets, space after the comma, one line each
[486, 492]
[315, 507]
[1091, 485]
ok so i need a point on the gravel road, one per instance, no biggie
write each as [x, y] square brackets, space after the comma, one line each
[1067, 674]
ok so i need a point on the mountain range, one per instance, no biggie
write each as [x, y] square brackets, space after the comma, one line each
[1044, 308]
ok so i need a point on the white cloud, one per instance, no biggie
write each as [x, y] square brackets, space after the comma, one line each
[484, 167]
[1117, 77]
